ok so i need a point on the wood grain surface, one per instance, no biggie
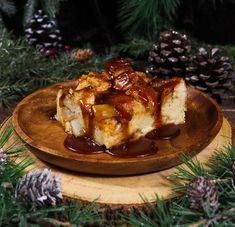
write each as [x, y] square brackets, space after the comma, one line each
[33, 124]
[125, 191]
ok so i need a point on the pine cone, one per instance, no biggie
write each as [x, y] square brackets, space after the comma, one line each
[3, 158]
[39, 188]
[168, 58]
[200, 191]
[82, 55]
[211, 73]
[42, 32]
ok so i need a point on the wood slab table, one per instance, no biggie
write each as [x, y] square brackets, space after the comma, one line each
[125, 191]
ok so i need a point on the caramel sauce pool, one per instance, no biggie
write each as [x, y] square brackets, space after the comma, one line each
[142, 147]
[125, 84]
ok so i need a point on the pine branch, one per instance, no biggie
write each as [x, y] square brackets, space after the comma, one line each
[6, 133]
[12, 170]
[29, 70]
[182, 213]
[30, 8]
[7, 7]
[158, 215]
[51, 7]
[146, 16]
[186, 173]
[14, 213]
[134, 46]
[221, 162]
[84, 215]
[178, 211]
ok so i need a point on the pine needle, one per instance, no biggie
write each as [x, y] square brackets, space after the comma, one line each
[149, 17]
[134, 46]
[29, 10]
[221, 162]
[191, 169]
[79, 215]
[5, 134]
[7, 7]
[29, 70]
[51, 7]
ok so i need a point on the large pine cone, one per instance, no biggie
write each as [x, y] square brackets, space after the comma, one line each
[42, 32]
[39, 188]
[211, 73]
[170, 56]
[201, 191]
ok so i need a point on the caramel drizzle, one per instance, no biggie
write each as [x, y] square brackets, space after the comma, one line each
[126, 86]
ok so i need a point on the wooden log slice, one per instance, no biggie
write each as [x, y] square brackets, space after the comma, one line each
[124, 191]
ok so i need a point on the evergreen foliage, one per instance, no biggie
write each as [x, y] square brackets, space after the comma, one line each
[14, 213]
[149, 17]
[50, 7]
[23, 69]
[178, 212]
[7, 7]
[219, 170]
[135, 46]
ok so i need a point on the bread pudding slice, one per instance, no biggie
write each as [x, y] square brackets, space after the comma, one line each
[120, 104]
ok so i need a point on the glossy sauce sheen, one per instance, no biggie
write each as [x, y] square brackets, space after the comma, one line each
[126, 88]
[83, 145]
[143, 147]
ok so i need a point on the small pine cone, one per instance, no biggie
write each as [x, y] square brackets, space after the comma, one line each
[3, 158]
[42, 32]
[82, 55]
[200, 191]
[170, 56]
[39, 188]
[211, 73]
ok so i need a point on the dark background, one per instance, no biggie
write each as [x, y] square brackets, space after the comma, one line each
[95, 21]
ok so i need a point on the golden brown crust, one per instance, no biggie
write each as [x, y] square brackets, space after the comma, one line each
[117, 99]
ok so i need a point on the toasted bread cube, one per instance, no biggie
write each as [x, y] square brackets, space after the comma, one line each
[119, 105]
[174, 105]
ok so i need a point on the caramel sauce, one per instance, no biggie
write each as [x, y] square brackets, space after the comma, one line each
[126, 82]
[146, 94]
[166, 132]
[125, 110]
[145, 146]
[133, 149]
[164, 86]
[122, 82]
[83, 145]
[127, 86]
[114, 65]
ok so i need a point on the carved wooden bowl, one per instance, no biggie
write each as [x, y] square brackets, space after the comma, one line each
[45, 137]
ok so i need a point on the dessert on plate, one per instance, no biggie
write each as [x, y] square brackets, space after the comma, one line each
[120, 104]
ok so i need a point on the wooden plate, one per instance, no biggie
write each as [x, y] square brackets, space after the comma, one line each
[45, 136]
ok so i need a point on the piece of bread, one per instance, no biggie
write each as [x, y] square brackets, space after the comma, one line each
[120, 104]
